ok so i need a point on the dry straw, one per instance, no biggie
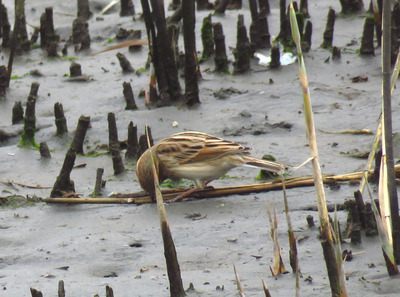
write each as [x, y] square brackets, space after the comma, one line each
[335, 272]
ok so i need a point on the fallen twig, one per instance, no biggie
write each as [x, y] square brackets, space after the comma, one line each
[11, 183]
[362, 131]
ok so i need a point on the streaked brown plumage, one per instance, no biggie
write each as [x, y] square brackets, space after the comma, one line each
[196, 156]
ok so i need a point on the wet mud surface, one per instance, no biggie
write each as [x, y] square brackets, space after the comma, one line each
[90, 246]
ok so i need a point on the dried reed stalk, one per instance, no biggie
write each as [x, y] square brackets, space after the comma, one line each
[326, 233]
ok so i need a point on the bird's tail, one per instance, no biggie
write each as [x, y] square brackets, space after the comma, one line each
[264, 164]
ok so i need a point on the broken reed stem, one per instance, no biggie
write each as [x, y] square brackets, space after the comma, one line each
[238, 283]
[174, 272]
[141, 198]
[326, 234]
[292, 241]
[266, 291]
[278, 266]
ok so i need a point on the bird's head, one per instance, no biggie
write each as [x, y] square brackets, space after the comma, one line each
[144, 172]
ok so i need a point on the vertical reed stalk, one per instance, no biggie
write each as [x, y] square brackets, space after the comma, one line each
[174, 274]
[326, 233]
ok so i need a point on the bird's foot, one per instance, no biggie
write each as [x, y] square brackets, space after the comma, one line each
[183, 195]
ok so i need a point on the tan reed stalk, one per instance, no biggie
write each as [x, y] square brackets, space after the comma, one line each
[174, 274]
[326, 230]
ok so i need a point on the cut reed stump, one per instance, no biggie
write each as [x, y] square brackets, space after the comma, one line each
[242, 52]
[221, 7]
[44, 150]
[61, 289]
[191, 63]
[310, 221]
[304, 8]
[284, 33]
[204, 5]
[336, 54]
[61, 121]
[109, 292]
[34, 90]
[35, 293]
[165, 54]
[47, 32]
[17, 113]
[162, 55]
[328, 33]
[264, 4]
[77, 142]
[3, 81]
[264, 40]
[142, 145]
[75, 70]
[259, 32]
[112, 131]
[28, 136]
[207, 38]
[351, 6]
[254, 14]
[125, 64]
[129, 98]
[84, 10]
[132, 151]
[80, 34]
[360, 207]
[127, 8]
[99, 183]
[275, 57]
[63, 182]
[354, 225]
[307, 37]
[220, 59]
[367, 40]
[52, 49]
[20, 32]
[113, 145]
[4, 26]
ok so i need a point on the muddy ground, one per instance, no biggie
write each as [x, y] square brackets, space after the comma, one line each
[90, 246]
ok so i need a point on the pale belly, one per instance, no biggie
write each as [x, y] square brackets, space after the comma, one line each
[201, 172]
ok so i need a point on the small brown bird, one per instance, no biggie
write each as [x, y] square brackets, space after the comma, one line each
[196, 156]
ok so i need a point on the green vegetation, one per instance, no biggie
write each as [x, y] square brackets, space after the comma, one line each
[176, 184]
[68, 58]
[16, 201]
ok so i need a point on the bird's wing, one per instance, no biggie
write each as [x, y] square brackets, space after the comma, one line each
[193, 147]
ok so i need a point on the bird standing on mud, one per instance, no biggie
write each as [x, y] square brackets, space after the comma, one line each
[196, 156]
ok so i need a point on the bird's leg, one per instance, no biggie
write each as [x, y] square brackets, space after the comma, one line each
[188, 192]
